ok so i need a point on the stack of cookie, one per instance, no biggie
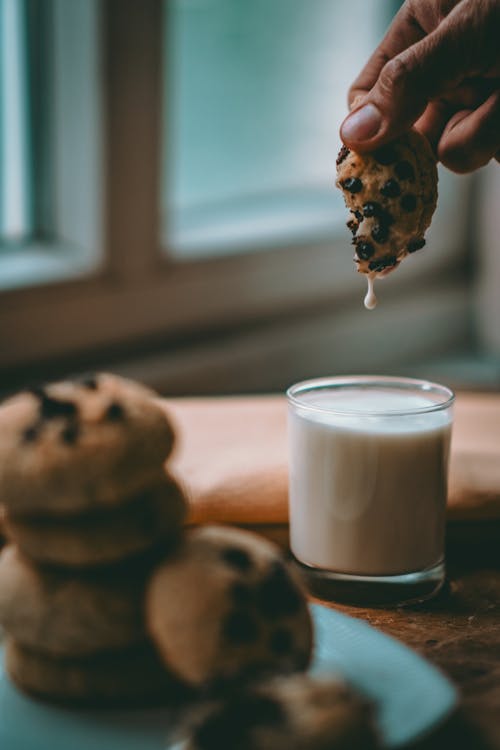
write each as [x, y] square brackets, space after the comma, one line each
[89, 512]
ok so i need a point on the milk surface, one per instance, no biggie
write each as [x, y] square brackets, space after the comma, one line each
[368, 491]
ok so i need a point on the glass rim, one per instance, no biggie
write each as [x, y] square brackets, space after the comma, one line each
[380, 381]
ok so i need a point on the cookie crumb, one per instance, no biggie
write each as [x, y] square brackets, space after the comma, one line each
[343, 154]
[115, 412]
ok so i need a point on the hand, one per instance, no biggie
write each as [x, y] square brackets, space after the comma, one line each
[438, 68]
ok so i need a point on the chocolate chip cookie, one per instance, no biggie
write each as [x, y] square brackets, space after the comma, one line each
[294, 713]
[102, 537]
[227, 606]
[56, 612]
[392, 195]
[132, 677]
[74, 446]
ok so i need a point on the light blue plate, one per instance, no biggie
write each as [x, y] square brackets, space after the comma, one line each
[411, 696]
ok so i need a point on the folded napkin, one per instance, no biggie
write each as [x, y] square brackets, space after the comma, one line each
[231, 458]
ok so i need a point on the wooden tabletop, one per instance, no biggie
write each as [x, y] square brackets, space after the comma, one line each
[459, 632]
[232, 456]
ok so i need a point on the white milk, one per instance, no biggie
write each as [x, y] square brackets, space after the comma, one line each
[370, 300]
[368, 493]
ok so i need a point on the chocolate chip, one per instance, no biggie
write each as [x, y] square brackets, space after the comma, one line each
[372, 209]
[231, 725]
[281, 641]
[240, 627]
[343, 154]
[70, 433]
[90, 382]
[382, 263]
[54, 408]
[380, 233]
[262, 710]
[352, 224]
[31, 434]
[352, 184]
[365, 250]
[386, 154]
[237, 558]
[408, 202]
[390, 189]
[37, 391]
[276, 595]
[415, 245]
[404, 170]
[115, 412]
[358, 215]
[240, 593]
[221, 729]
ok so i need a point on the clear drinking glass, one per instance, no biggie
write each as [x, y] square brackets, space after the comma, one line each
[368, 459]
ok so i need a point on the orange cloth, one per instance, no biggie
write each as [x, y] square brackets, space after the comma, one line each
[231, 458]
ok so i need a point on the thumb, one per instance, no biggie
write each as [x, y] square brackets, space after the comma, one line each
[405, 86]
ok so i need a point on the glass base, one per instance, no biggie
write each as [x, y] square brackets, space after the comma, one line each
[378, 591]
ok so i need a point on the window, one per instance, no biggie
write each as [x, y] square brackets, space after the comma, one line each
[184, 225]
[254, 92]
[15, 153]
[253, 95]
[50, 141]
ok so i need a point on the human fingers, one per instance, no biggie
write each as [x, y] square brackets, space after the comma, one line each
[433, 121]
[414, 20]
[471, 137]
[467, 96]
[402, 33]
[457, 48]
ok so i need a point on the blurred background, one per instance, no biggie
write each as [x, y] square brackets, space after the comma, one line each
[168, 210]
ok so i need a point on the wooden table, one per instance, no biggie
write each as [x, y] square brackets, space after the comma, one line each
[232, 454]
[459, 632]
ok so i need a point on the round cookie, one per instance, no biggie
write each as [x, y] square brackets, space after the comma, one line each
[104, 536]
[73, 446]
[61, 614]
[133, 677]
[294, 713]
[392, 195]
[227, 606]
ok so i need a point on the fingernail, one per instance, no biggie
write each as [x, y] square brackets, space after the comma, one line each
[362, 124]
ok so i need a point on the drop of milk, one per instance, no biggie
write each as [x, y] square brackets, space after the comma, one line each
[370, 299]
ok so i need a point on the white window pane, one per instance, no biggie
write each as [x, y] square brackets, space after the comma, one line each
[15, 162]
[50, 140]
[254, 94]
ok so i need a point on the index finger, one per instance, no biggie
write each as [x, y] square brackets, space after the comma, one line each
[403, 32]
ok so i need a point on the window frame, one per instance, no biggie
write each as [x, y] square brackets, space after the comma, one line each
[131, 296]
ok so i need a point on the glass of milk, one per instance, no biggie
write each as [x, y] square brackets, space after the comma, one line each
[368, 463]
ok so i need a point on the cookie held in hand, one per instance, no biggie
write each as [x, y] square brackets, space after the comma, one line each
[392, 195]
[226, 606]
